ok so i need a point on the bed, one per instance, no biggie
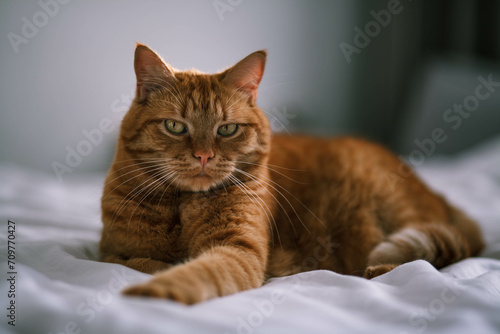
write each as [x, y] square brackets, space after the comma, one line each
[60, 287]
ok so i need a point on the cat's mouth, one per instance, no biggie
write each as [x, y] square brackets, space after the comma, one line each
[201, 180]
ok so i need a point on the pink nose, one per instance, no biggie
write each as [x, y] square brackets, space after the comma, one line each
[204, 156]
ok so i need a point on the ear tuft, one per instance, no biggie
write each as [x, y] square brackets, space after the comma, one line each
[151, 71]
[247, 74]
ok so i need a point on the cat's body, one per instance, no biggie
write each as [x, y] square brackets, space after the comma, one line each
[202, 194]
[350, 195]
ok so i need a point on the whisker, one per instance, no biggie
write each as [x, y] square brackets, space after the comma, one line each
[162, 180]
[294, 197]
[174, 177]
[111, 172]
[147, 169]
[121, 206]
[277, 201]
[274, 170]
[286, 199]
[261, 203]
[132, 166]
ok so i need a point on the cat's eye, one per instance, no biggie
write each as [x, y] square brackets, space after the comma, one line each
[177, 128]
[227, 130]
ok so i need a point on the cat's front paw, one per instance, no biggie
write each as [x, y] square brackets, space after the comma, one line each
[374, 271]
[179, 292]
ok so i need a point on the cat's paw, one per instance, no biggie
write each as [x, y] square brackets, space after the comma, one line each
[374, 271]
[180, 292]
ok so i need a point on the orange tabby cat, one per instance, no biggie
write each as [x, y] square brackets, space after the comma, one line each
[204, 197]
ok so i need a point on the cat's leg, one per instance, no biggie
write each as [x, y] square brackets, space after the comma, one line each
[220, 271]
[439, 244]
[228, 238]
[146, 265]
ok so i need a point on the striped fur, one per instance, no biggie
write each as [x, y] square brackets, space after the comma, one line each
[211, 215]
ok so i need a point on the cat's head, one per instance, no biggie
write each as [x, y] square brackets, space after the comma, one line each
[203, 130]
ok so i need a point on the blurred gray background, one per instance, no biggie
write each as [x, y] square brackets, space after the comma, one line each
[67, 66]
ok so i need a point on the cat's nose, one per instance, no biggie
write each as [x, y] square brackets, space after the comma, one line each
[204, 156]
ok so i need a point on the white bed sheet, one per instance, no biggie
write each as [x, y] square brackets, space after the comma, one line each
[61, 288]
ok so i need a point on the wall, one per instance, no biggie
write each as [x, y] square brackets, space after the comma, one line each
[75, 70]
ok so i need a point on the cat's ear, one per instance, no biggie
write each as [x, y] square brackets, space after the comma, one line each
[151, 71]
[247, 74]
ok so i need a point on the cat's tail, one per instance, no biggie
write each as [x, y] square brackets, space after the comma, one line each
[441, 244]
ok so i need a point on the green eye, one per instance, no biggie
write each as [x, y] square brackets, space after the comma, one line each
[227, 130]
[175, 127]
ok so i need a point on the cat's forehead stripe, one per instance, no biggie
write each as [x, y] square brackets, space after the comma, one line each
[202, 96]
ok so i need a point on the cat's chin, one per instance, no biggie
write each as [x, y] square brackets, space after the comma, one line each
[198, 183]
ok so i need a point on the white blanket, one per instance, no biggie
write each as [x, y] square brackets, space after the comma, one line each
[61, 288]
